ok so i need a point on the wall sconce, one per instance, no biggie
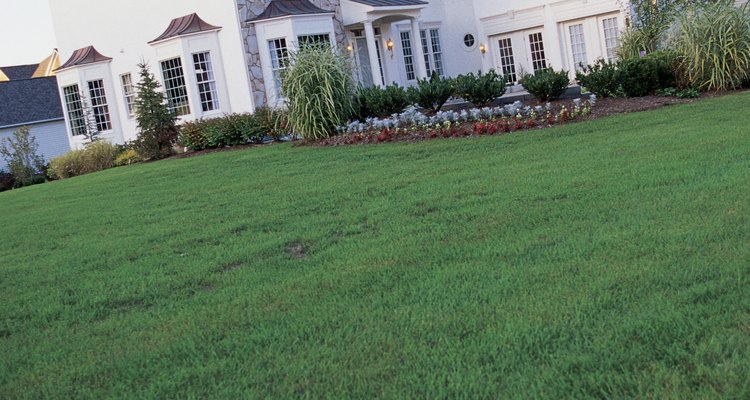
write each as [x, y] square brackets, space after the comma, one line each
[349, 47]
[482, 48]
[389, 45]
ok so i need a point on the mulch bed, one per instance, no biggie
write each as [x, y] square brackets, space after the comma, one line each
[604, 107]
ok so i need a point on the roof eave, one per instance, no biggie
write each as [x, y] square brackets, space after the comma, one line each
[253, 21]
[160, 41]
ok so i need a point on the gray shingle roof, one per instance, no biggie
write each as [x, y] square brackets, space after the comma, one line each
[185, 25]
[391, 3]
[19, 71]
[26, 101]
[285, 8]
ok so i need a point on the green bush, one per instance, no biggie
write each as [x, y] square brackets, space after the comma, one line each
[232, 130]
[68, 165]
[601, 78]
[432, 93]
[96, 156]
[20, 153]
[318, 87]
[646, 75]
[379, 102]
[714, 45]
[99, 155]
[481, 89]
[546, 84]
[127, 157]
[7, 181]
[272, 122]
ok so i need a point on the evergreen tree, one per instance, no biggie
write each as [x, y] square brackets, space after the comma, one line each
[92, 129]
[157, 129]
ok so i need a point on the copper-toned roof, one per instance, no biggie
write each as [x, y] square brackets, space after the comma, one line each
[285, 8]
[86, 55]
[185, 25]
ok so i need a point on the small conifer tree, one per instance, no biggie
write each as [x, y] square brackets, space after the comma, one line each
[157, 129]
[91, 132]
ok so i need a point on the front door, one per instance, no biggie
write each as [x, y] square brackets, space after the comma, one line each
[362, 59]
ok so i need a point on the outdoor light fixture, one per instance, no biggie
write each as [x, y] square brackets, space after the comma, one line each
[482, 48]
[349, 47]
[389, 45]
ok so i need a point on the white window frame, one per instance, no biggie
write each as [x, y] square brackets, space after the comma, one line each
[99, 105]
[128, 93]
[74, 108]
[609, 44]
[279, 57]
[205, 82]
[577, 45]
[541, 63]
[177, 95]
[511, 70]
[410, 66]
[433, 50]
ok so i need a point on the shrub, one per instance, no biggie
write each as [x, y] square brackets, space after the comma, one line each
[318, 87]
[272, 122]
[7, 181]
[432, 93]
[546, 84]
[379, 102]
[127, 157]
[714, 45]
[481, 89]
[191, 136]
[646, 75]
[99, 155]
[70, 164]
[601, 79]
[20, 153]
[157, 132]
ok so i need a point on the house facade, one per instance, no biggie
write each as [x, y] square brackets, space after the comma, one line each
[226, 56]
[29, 97]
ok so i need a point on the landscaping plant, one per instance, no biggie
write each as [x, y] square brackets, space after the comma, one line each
[432, 93]
[601, 78]
[546, 84]
[157, 129]
[379, 102]
[20, 153]
[481, 89]
[318, 87]
[713, 42]
[643, 76]
[96, 156]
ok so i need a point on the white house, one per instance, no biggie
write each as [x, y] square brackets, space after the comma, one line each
[225, 56]
[29, 97]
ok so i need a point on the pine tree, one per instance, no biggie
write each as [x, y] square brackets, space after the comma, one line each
[157, 129]
[91, 128]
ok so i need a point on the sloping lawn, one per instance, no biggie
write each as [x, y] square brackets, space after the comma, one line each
[606, 259]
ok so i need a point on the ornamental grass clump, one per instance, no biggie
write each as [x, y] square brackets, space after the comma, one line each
[714, 45]
[318, 88]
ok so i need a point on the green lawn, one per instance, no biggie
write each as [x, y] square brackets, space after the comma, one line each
[605, 259]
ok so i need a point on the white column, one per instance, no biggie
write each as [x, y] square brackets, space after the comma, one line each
[553, 43]
[416, 42]
[373, 53]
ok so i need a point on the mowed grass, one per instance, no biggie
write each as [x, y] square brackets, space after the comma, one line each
[606, 259]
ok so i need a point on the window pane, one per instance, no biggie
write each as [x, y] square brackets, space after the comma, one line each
[611, 37]
[578, 46]
[204, 78]
[536, 44]
[408, 55]
[128, 90]
[99, 105]
[174, 83]
[75, 110]
[507, 61]
[279, 60]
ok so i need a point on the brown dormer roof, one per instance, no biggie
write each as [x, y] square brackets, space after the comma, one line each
[86, 55]
[286, 8]
[184, 26]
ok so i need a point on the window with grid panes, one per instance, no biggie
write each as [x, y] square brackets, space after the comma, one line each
[99, 105]
[306, 40]
[536, 45]
[204, 78]
[507, 60]
[611, 37]
[174, 84]
[408, 55]
[128, 90]
[578, 46]
[73, 105]
[279, 61]
[433, 55]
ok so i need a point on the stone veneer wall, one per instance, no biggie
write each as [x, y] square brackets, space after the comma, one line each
[250, 8]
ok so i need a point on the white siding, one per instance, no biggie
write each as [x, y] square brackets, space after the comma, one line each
[51, 137]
